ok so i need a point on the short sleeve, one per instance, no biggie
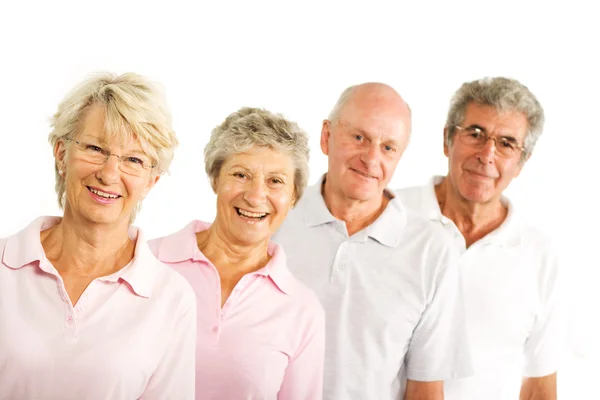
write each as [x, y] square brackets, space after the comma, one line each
[545, 342]
[439, 347]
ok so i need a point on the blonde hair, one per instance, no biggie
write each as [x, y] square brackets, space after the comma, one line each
[250, 127]
[134, 108]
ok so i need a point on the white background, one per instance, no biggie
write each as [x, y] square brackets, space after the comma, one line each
[295, 58]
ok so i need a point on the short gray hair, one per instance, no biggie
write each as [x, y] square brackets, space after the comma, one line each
[134, 107]
[505, 95]
[249, 127]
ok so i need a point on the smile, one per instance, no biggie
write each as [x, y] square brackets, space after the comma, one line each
[106, 195]
[363, 174]
[249, 214]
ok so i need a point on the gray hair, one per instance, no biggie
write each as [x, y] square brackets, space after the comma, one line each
[505, 95]
[134, 108]
[249, 127]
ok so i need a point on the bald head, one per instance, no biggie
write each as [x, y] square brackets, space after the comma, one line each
[371, 97]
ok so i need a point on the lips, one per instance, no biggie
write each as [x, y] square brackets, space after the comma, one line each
[103, 197]
[251, 214]
[364, 174]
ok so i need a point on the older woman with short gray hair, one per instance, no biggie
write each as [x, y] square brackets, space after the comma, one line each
[260, 331]
[86, 311]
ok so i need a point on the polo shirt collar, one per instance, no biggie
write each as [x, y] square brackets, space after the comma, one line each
[182, 246]
[386, 229]
[25, 248]
[507, 234]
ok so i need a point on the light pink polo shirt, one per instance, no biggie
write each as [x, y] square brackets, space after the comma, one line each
[131, 334]
[267, 342]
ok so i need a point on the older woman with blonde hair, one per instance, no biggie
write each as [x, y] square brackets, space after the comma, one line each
[260, 331]
[86, 311]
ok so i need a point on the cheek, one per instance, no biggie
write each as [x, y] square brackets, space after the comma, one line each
[282, 199]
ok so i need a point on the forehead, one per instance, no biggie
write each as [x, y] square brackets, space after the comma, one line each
[376, 118]
[509, 123]
[93, 126]
[263, 159]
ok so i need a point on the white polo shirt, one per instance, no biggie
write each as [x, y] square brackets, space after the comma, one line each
[509, 282]
[391, 297]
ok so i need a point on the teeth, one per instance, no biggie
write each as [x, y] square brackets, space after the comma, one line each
[251, 214]
[102, 194]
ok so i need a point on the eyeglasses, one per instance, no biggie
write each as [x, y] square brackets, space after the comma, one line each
[132, 165]
[476, 137]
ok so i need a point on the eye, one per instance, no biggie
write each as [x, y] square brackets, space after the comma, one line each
[240, 175]
[134, 160]
[509, 144]
[389, 148]
[94, 148]
[475, 133]
[276, 181]
[359, 138]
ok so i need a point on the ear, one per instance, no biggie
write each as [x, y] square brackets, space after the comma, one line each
[60, 154]
[446, 147]
[152, 180]
[522, 164]
[325, 135]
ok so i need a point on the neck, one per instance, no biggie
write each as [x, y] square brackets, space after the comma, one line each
[357, 214]
[236, 258]
[79, 247]
[473, 220]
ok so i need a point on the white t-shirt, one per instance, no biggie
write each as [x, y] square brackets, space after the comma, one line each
[391, 296]
[510, 291]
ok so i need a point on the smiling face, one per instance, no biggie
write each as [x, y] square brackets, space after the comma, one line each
[255, 191]
[480, 175]
[100, 193]
[366, 143]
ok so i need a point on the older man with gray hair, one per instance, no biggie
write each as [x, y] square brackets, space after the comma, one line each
[509, 270]
[387, 278]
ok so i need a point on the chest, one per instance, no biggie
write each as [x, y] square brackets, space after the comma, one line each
[502, 295]
[109, 342]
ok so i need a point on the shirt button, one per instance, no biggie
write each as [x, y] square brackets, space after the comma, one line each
[215, 329]
[70, 319]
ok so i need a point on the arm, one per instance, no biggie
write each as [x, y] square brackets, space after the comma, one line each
[175, 376]
[416, 390]
[303, 378]
[543, 388]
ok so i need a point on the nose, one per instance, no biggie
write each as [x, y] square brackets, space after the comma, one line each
[487, 152]
[109, 171]
[370, 155]
[255, 194]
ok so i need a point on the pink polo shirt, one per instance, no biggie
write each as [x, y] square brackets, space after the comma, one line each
[131, 335]
[267, 342]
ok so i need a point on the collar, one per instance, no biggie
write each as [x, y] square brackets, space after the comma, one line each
[507, 234]
[25, 247]
[386, 229]
[182, 246]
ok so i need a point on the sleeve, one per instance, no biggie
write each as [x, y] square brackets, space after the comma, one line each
[303, 379]
[439, 347]
[174, 379]
[545, 342]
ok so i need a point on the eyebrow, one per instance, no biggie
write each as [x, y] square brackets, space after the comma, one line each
[246, 169]
[103, 143]
[507, 137]
[367, 136]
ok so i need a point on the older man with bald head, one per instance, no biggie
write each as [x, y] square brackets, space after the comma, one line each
[387, 278]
